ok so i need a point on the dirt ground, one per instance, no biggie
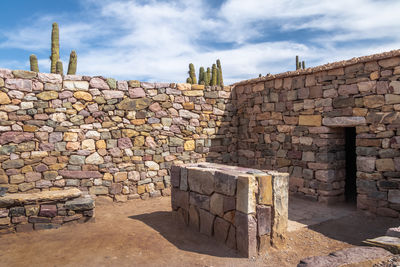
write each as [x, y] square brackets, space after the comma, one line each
[143, 233]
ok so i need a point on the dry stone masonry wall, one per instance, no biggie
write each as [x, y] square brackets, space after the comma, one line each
[294, 122]
[246, 209]
[105, 137]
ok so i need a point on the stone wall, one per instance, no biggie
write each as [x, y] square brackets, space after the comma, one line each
[245, 209]
[24, 212]
[294, 122]
[108, 137]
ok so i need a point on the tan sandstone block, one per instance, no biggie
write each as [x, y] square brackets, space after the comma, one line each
[310, 120]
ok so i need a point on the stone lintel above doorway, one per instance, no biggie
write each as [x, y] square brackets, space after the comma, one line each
[344, 121]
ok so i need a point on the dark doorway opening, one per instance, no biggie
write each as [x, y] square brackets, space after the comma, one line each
[351, 167]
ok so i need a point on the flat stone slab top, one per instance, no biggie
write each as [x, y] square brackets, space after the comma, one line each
[394, 231]
[21, 199]
[355, 256]
[387, 242]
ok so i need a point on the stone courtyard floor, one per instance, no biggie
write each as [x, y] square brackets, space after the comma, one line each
[143, 233]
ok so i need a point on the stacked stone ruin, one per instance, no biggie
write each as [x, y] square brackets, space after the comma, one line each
[120, 138]
[246, 209]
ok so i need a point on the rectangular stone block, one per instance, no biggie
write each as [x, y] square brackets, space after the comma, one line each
[264, 217]
[201, 180]
[200, 201]
[265, 189]
[246, 234]
[180, 199]
[225, 183]
[206, 222]
[246, 198]
[175, 175]
[310, 120]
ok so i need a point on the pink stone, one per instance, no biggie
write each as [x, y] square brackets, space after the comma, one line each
[33, 176]
[348, 89]
[98, 83]
[37, 86]
[110, 94]
[15, 137]
[122, 85]
[65, 94]
[125, 143]
[80, 174]
[50, 78]
[155, 107]
[5, 73]
[19, 84]
[48, 211]
[41, 168]
[136, 93]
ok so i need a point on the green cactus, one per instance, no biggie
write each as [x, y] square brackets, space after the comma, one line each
[207, 79]
[72, 63]
[297, 62]
[34, 63]
[220, 81]
[192, 73]
[303, 64]
[59, 67]
[189, 80]
[214, 75]
[55, 48]
[201, 75]
[259, 75]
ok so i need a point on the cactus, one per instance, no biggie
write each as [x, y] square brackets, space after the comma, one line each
[303, 64]
[201, 75]
[59, 67]
[192, 73]
[220, 81]
[259, 75]
[55, 48]
[207, 79]
[34, 63]
[214, 75]
[72, 63]
[189, 80]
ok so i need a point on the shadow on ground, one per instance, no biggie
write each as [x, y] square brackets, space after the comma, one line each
[177, 234]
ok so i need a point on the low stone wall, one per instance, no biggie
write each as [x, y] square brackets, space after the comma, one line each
[246, 209]
[44, 210]
[106, 137]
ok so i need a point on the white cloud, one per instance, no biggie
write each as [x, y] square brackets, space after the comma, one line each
[156, 40]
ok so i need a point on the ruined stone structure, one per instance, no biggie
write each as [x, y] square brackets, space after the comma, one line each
[120, 138]
[246, 209]
[296, 122]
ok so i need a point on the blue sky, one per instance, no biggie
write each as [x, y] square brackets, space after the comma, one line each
[155, 40]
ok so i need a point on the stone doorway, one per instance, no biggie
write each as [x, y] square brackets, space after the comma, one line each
[350, 191]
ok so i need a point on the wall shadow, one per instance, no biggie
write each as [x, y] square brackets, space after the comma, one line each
[182, 236]
[355, 228]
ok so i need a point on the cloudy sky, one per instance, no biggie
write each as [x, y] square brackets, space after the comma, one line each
[155, 40]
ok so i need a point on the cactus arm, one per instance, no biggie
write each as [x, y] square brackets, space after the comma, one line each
[34, 63]
[73, 60]
[59, 67]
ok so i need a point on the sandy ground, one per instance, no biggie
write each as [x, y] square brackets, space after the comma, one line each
[143, 233]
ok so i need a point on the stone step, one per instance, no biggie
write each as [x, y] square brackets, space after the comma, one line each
[355, 256]
[10, 200]
[390, 243]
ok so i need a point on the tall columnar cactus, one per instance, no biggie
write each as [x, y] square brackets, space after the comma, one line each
[297, 62]
[214, 75]
[55, 48]
[221, 79]
[72, 63]
[59, 68]
[189, 80]
[201, 75]
[303, 64]
[207, 77]
[34, 63]
[300, 64]
[192, 73]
